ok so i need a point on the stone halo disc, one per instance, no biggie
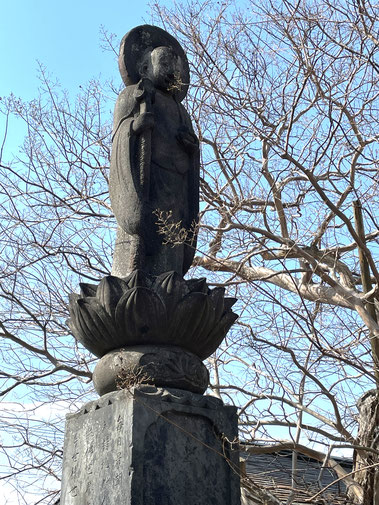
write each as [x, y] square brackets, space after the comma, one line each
[133, 47]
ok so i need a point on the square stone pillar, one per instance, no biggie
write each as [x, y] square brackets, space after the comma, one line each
[151, 446]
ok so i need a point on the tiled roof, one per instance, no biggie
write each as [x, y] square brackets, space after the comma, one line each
[272, 472]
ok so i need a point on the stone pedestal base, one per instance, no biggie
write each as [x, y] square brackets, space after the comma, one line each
[151, 446]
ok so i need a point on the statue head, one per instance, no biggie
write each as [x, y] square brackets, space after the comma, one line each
[148, 51]
[164, 69]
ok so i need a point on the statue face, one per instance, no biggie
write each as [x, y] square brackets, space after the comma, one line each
[165, 69]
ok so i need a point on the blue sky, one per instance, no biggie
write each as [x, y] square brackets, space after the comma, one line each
[63, 36]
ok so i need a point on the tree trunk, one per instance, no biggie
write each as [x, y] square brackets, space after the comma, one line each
[368, 436]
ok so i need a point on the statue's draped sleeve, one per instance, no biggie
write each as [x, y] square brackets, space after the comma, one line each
[124, 174]
[193, 198]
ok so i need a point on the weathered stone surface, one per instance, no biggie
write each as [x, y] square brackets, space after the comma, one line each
[155, 156]
[151, 446]
[170, 367]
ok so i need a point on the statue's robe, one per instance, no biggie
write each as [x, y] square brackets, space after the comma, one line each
[173, 186]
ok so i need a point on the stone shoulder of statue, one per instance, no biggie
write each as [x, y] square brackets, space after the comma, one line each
[127, 106]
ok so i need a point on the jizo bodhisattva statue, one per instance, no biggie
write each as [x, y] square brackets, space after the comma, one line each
[155, 155]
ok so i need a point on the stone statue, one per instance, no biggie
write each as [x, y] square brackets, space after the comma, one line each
[146, 316]
[155, 156]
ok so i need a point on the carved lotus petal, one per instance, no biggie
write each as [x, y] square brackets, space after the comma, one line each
[141, 315]
[87, 289]
[197, 285]
[228, 303]
[214, 312]
[190, 316]
[96, 329]
[109, 292]
[138, 278]
[217, 335]
[171, 288]
[74, 308]
[217, 296]
[72, 300]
